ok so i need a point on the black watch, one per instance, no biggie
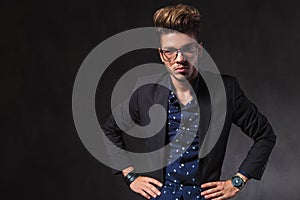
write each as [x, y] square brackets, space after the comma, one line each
[238, 182]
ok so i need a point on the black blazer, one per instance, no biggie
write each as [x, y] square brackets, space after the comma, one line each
[240, 111]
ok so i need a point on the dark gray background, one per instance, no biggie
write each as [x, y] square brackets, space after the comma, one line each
[44, 43]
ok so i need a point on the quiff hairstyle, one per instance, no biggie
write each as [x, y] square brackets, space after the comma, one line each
[181, 18]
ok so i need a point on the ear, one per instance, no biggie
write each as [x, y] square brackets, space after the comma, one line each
[200, 52]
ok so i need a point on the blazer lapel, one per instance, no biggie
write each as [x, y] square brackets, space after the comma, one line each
[161, 97]
[205, 109]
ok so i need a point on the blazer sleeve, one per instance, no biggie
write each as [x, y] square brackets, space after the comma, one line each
[255, 125]
[116, 148]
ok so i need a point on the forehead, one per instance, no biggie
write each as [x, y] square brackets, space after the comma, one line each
[176, 39]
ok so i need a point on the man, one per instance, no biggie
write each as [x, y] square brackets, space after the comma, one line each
[190, 176]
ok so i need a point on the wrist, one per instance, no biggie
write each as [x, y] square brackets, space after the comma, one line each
[245, 178]
[130, 177]
[238, 181]
[127, 170]
[244, 174]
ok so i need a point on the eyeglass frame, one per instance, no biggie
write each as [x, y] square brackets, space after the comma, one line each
[177, 51]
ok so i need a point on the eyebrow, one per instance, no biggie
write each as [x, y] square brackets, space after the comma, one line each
[171, 47]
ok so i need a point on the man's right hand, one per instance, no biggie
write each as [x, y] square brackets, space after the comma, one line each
[145, 186]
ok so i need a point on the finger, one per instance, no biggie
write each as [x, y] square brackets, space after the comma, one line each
[210, 184]
[154, 189]
[210, 191]
[214, 195]
[144, 194]
[219, 198]
[149, 191]
[155, 182]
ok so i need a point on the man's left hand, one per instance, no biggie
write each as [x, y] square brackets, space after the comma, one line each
[219, 190]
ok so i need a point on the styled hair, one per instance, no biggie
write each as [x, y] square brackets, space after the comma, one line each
[181, 18]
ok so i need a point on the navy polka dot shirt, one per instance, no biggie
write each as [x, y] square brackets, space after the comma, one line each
[181, 179]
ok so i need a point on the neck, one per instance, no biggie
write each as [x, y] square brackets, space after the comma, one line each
[181, 86]
[184, 85]
[183, 89]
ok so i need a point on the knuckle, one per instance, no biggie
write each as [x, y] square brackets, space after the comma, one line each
[145, 180]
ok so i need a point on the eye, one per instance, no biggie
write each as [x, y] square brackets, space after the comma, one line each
[169, 51]
[190, 48]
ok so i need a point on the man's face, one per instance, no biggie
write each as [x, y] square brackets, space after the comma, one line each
[180, 63]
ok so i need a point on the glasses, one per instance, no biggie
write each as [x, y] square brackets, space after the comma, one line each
[188, 51]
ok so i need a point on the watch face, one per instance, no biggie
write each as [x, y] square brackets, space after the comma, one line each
[237, 181]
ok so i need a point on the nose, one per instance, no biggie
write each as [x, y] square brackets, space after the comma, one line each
[180, 56]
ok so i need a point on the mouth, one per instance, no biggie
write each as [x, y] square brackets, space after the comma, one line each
[181, 69]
